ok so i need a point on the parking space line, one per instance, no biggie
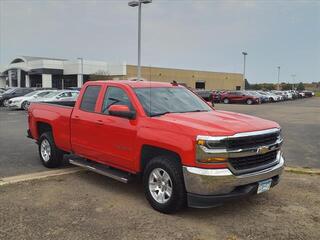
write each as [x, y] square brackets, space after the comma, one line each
[38, 175]
[303, 170]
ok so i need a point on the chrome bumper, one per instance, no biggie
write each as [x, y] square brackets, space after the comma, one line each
[222, 181]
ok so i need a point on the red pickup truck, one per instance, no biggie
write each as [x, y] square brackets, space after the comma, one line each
[186, 152]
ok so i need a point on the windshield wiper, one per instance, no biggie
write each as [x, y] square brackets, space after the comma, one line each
[159, 114]
[164, 113]
[195, 111]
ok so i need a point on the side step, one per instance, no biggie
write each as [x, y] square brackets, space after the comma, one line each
[101, 169]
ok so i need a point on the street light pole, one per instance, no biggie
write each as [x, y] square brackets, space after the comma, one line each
[293, 80]
[139, 43]
[244, 68]
[278, 87]
[139, 4]
[81, 79]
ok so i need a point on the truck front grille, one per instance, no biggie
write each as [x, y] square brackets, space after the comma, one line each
[253, 162]
[252, 141]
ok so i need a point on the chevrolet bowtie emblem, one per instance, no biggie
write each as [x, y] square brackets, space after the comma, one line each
[262, 150]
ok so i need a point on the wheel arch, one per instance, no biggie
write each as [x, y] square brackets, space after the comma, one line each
[148, 152]
[43, 127]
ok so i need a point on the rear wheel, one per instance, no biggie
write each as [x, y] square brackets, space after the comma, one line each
[249, 101]
[50, 155]
[164, 185]
[226, 101]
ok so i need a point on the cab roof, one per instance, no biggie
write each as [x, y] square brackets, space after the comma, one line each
[141, 84]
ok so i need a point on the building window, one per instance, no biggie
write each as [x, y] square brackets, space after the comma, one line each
[200, 85]
[238, 87]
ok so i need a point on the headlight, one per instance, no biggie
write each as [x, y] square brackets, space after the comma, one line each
[211, 150]
[211, 144]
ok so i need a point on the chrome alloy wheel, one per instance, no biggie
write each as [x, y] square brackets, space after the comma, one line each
[45, 150]
[160, 185]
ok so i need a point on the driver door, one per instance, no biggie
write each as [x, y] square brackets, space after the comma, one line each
[118, 133]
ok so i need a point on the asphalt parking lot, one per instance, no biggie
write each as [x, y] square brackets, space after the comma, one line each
[89, 206]
[85, 205]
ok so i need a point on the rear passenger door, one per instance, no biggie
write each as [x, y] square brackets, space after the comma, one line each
[85, 125]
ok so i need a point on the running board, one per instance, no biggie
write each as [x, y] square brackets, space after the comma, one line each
[101, 169]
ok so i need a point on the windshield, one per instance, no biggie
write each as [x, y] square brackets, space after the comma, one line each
[252, 93]
[10, 90]
[31, 94]
[170, 100]
[52, 94]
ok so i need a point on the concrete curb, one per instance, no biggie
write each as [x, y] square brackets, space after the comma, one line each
[301, 170]
[38, 175]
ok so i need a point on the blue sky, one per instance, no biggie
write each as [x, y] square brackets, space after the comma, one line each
[204, 34]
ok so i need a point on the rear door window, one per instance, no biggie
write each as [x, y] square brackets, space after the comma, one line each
[89, 98]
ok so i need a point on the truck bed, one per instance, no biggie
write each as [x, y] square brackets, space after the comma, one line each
[57, 115]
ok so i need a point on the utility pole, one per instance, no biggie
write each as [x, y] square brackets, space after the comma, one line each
[278, 87]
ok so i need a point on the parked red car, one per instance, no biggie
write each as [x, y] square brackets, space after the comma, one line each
[239, 97]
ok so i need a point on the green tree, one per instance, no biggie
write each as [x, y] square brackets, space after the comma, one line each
[300, 87]
[286, 86]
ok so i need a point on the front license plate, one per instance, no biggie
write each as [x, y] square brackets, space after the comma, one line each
[264, 186]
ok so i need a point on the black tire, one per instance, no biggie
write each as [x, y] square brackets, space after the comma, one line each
[56, 155]
[173, 168]
[24, 105]
[226, 101]
[249, 101]
[271, 100]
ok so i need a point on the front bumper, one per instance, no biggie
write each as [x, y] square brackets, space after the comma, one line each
[210, 187]
[14, 106]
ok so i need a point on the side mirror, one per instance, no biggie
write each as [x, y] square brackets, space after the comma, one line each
[121, 111]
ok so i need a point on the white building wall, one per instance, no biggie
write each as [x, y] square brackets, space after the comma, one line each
[27, 80]
[46, 80]
[92, 67]
[79, 80]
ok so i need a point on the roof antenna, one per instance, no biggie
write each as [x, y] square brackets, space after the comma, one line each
[174, 83]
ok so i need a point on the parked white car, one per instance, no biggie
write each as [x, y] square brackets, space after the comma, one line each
[272, 97]
[22, 102]
[61, 95]
[289, 95]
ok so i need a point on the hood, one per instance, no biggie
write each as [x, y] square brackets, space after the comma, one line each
[218, 123]
[16, 99]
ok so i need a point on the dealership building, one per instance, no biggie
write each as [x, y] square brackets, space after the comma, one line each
[28, 71]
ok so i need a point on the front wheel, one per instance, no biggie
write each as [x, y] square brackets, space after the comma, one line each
[6, 103]
[50, 155]
[226, 101]
[249, 102]
[24, 105]
[164, 185]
